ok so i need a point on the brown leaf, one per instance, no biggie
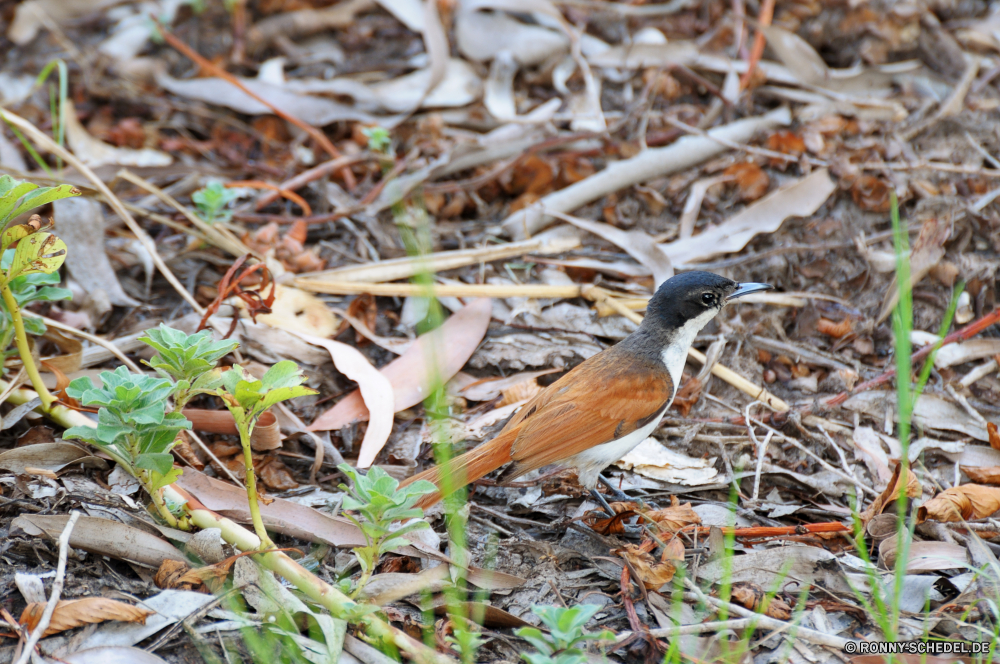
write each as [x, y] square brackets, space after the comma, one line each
[968, 501]
[72, 613]
[363, 308]
[673, 518]
[786, 141]
[891, 493]
[870, 193]
[275, 476]
[991, 428]
[177, 575]
[687, 396]
[674, 550]
[988, 475]
[835, 330]
[653, 574]
[599, 522]
[754, 598]
[533, 175]
[751, 180]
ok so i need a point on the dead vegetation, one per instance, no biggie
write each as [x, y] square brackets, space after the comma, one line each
[302, 174]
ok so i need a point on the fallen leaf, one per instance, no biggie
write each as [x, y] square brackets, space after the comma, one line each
[638, 244]
[928, 250]
[751, 180]
[410, 376]
[799, 198]
[673, 518]
[994, 435]
[687, 396]
[363, 308]
[72, 613]
[891, 493]
[653, 459]
[754, 598]
[94, 152]
[870, 193]
[653, 574]
[295, 311]
[960, 503]
[488, 389]
[673, 550]
[377, 396]
[177, 575]
[274, 474]
[600, 522]
[112, 655]
[50, 456]
[987, 475]
[103, 537]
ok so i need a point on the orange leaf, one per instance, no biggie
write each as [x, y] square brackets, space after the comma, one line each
[969, 501]
[754, 598]
[653, 574]
[891, 493]
[751, 180]
[72, 613]
[675, 517]
[989, 475]
[994, 435]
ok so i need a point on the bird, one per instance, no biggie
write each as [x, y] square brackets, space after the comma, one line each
[604, 407]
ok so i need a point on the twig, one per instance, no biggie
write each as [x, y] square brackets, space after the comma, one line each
[40, 138]
[766, 622]
[305, 177]
[764, 17]
[764, 152]
[104, 343]
[318, 135]
[682, 630]
[964, 334]
[57, 586]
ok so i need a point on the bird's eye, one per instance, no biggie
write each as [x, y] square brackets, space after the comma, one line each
[708, 299]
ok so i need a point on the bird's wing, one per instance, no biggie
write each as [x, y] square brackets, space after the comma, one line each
[595, 403]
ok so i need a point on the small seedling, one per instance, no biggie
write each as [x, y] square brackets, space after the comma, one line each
[188, 360]
[212, 201]
[561, 645]
[133, 427]
[381, 503]
[247, 398]
[379, 139]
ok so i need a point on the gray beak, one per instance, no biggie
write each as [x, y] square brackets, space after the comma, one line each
[747, 288]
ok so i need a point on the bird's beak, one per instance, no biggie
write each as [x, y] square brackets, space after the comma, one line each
[747, 288]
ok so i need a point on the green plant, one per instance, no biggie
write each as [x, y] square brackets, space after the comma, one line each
[562, 644]
[37, 253]
[380, 503]
[247, 398]
[189, 360]
[133, 427]
[27, 288]
[212, 200]
[379, 139]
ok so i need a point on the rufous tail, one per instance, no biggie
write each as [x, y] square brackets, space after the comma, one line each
[466, 468]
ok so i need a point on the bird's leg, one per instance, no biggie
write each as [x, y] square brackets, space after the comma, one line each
[616, 493]
[599, 498]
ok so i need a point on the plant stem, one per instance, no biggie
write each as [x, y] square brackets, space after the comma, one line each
[246, 430]
[161, 506]
[24, 350]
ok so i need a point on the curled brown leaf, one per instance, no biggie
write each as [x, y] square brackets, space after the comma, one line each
[968, 501]
[72, 613]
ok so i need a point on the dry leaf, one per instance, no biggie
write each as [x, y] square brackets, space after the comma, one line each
[177, 575]
[275, 476]
[687, 396]
[375, 394]
[673, 518]
[72, 613]
[409, 374]
[363, 308]
[653, 574]
[991, 429]
[968, 501]
[891, 493]
[599, 522]
[988, 475]
[751, 180]
[295, 311]
[674, 550]
[870, 193]
[754, 598]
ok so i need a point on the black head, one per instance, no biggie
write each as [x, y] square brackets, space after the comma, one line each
[695, 298]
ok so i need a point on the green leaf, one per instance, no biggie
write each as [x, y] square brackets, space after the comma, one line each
[11, 191]
[534, 636]
[161, 463]
[159, 481]
[38, 252]
[43, 196]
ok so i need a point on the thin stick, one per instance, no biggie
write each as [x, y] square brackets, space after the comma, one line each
[700, 628]
[40, 138]
[57, 586]
[764, 17]
[219, 236]
[305, 177]
[204, 448]
[104, 343]
[318, 135]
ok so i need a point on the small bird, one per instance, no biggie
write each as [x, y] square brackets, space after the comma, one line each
[604, 407]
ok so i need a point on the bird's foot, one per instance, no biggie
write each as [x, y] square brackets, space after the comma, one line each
[619, 495]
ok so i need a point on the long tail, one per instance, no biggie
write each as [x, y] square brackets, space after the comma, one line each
[466, 468]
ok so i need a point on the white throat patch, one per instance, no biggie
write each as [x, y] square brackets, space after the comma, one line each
[675, 355]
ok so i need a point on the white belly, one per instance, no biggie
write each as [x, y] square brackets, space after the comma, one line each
[590, 463]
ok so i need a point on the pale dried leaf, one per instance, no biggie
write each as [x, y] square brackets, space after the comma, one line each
[72, 613]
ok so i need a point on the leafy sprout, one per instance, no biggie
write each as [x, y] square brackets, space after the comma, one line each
[379, 139]
[188, 359]
[133, 426]
[212, 201]
[380, 503]
[247, 398]
[562, 644]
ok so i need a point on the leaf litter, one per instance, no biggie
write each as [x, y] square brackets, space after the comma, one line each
[529, 145]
